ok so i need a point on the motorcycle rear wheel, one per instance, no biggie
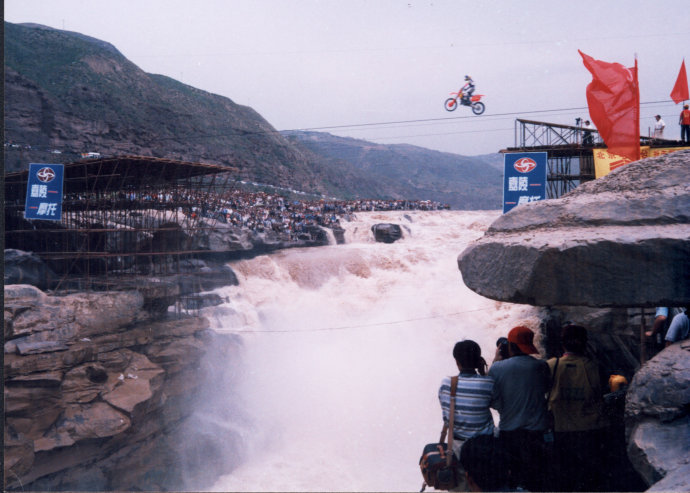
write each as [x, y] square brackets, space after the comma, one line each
[478, 108]
[451, 104]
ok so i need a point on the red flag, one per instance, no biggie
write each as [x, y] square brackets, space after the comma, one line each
[680, 90]
[613, 98]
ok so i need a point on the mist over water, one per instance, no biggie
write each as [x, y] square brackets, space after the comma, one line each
[343, 350]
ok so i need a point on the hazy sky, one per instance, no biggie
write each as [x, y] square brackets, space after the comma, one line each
[363, 64]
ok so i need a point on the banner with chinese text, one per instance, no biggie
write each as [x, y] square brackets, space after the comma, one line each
[524, 178]
[44, 192]
[605, 161]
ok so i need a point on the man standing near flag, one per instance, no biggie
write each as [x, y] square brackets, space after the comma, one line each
[684, 122]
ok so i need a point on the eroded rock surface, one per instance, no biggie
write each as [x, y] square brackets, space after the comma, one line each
[97, 391]
[657, 414]
[621, 240]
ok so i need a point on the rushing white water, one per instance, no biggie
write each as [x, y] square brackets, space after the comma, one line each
[344, 348]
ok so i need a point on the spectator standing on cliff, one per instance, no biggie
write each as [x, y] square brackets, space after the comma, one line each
[663, 318]
[684, 122]
[679, 329]
[576, 401]
[520, 386]
[588, 139]
[659, 127]
[473, 395]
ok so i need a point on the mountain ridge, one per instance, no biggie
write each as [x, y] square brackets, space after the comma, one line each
[68, 93]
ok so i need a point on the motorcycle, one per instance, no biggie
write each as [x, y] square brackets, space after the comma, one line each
[474, 102]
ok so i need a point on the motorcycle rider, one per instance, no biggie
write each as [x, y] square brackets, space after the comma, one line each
[467, 90]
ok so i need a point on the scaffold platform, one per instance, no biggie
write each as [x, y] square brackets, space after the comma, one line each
[570, 151]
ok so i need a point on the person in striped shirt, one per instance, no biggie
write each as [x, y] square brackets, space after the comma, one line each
[472, 399]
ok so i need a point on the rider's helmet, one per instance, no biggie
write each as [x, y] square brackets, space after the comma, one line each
[467, 77]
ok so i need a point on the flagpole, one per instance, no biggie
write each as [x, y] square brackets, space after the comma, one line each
[637, 109]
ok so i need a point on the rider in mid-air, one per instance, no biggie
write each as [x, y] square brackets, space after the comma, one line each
[467, 89]
[465, 97]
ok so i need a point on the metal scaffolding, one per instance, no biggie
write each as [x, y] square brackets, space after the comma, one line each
[122, 217]
[569, 151]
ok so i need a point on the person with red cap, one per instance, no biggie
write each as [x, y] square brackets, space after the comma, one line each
[521, 383]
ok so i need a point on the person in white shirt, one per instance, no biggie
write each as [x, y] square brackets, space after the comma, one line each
[659, 127]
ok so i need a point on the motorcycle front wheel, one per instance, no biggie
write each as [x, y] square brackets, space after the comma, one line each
[450, 104]
[478, 108]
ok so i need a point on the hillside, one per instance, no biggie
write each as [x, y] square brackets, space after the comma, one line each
[66, 93]
[406, 171]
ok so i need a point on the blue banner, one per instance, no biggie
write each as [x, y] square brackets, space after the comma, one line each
[524, 178]
[44, 192]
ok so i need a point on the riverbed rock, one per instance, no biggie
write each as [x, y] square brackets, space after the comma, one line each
[657, 415]
[621, 240]
[386, 232]
[35, 317]
[223, 241]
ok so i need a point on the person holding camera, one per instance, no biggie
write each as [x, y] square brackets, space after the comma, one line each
[520, 386]
[501, 349]
[474, 390]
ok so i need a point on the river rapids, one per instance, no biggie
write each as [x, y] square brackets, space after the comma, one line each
[343, 349]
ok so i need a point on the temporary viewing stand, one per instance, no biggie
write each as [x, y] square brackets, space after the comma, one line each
[570, 158]
[122, 218]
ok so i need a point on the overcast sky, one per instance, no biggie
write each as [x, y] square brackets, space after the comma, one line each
[364, 64]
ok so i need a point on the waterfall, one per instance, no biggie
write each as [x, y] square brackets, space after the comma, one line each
[344, 348]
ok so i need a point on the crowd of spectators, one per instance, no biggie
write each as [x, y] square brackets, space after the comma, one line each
[261, 211]
[257, 211]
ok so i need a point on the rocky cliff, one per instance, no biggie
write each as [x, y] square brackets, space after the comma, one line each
[73, 93]
[100, 394]
[657, 414]
[621, 240]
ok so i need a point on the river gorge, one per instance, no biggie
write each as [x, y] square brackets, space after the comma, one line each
[319, 370]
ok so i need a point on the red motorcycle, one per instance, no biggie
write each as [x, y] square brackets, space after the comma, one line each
[474, 102]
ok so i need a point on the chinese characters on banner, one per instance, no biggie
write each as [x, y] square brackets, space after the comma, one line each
[44, 192]
[524, 178]
[605, 161]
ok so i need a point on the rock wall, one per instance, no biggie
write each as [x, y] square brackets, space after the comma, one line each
[622, 240]
[100, 394]
[657, 414]
[614, 338]
[615, 243]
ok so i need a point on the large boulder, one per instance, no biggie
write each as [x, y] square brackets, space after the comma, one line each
[621, 240]
[657, 415]
[27, 268]
[386, 232]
